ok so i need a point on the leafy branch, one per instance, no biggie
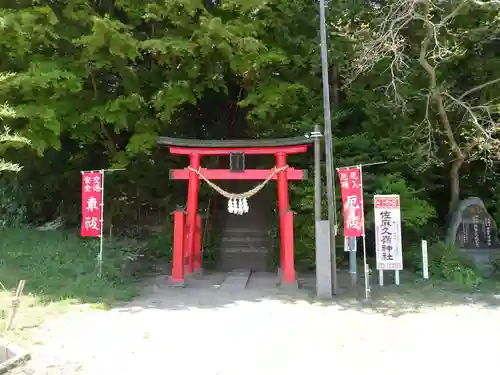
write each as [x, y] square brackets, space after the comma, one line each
[7, 137]
[472, 137]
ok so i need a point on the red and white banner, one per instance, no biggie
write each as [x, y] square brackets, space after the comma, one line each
[388, 242]
[352, 201]
[91, 204]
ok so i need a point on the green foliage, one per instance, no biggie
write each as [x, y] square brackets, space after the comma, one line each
[496, 267]
[9, 140]
[13, 211]
[416, 211]
[92, 84]
[445, 263]
[59, 265]
[160, 244]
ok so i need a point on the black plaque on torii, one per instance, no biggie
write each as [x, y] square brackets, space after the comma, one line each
[237, 162]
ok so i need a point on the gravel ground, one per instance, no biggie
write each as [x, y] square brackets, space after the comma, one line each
[263, 330]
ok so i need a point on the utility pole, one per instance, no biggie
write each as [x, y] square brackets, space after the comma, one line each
[322, 228]
[328, 145]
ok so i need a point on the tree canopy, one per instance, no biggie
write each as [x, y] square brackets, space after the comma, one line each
[92, 83]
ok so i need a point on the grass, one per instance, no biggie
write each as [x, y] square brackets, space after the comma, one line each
[415, 293]
[61, 274]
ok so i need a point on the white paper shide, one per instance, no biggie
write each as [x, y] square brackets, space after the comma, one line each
[388, 242]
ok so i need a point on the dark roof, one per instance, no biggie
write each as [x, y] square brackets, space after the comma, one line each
[237, 143]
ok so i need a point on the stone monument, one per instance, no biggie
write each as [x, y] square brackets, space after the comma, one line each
[474, 232]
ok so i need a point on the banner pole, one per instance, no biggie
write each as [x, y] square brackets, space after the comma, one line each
[101, 238]
[352, 259]
[364, 231]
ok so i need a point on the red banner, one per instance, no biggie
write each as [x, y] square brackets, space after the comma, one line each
[91, 204]
[352, 201]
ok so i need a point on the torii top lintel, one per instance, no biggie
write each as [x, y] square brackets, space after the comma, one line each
[181, 146]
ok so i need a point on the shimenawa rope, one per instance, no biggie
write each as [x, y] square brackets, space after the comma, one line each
[248, 194]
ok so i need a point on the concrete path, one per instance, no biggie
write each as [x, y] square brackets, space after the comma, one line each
[206, 329]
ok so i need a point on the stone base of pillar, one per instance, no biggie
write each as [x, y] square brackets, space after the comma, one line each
[171, 283]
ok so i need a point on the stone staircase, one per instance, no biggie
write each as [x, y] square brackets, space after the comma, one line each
[245, 241]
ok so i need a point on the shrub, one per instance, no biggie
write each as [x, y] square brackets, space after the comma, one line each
[12, 208]
[445, 263]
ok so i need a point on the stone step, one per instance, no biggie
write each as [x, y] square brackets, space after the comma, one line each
[244, 236]
[245, 249]
[245, 241]
[252, 261]
[246, 231]
[236, 279]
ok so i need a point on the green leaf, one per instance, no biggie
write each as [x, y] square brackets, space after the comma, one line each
[141, 143]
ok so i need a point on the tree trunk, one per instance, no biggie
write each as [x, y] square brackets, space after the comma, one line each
[455, 184]
[438, 98]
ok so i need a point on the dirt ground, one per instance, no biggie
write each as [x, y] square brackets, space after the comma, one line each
[262, 329]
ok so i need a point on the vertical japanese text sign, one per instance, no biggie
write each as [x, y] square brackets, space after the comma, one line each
[91, 204]
[388, 242]
[352, 201]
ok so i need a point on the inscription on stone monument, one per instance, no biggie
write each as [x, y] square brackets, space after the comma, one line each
[475, 229]
[474, 232]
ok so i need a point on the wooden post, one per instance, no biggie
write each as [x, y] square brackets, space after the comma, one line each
[288, 247]
[15, 304]
[282, 204]
[197, 259]
[192, 208]
[177, 277]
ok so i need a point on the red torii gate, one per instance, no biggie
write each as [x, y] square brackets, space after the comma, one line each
[187, 224]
